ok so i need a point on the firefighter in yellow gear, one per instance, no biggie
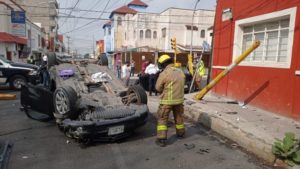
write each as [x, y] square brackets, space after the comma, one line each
[170, 84]
[200, 72]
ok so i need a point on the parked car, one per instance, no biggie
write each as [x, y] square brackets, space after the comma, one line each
[16, 73]
[88, 102]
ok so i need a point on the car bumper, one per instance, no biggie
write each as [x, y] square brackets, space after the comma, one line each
[99, 130]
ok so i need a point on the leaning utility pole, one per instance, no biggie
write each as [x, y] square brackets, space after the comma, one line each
[221, 75]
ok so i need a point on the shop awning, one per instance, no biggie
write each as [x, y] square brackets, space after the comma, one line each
[6, 37]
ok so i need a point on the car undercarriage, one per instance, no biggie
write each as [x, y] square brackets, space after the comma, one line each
[88, 102]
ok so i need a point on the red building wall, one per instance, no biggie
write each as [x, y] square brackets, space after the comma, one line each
[273, 89]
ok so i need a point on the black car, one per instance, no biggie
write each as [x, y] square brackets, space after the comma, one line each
[88, 102]
[16, 73]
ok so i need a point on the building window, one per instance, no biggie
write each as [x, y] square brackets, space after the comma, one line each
[275, 33]
[109, 31]
[119, 21]
[39, 40]
[273, 37]
[134, 34]
[148, 33]
[154, 35]
[163, 32]
[141, 34]
[104, 32]
[202, 33]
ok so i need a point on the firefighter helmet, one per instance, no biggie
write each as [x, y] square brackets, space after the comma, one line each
[163, 58]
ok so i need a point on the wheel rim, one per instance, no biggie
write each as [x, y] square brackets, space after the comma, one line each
[18, 83]
[61, 102]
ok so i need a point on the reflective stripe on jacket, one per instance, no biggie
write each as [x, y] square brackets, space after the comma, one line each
[201, 68]
[170, 84]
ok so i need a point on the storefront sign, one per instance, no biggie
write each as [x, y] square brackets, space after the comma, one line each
[18, 22]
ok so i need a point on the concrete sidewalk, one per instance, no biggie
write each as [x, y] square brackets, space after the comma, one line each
[251, 128]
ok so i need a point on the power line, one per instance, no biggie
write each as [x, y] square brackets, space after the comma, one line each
[105, 19]
[98, 11]
[93, 7]
[94, 20]
[70, 12]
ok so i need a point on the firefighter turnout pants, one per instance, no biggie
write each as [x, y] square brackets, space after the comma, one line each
[163, 116]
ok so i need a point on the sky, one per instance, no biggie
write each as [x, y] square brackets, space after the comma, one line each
[83, 37]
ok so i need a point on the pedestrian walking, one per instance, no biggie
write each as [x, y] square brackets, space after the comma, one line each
[126, 73]
[119, 69]
[151, 70]
[144, 64]
[170, 84]
[132, 68]
[45, 60]
[200, 72]
[142, 76]
[45, 74]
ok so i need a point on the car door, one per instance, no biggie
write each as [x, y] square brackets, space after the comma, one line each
[37, 98]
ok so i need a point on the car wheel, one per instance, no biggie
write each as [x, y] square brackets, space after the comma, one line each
[136, 94]
[103, 60]
[51, 59]
[65, 103]
[16, 82]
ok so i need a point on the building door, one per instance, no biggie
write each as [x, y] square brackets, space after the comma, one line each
[8, 55]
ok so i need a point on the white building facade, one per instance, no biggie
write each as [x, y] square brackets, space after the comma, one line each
[136, 30]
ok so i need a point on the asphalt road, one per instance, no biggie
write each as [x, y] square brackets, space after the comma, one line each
[39, 145]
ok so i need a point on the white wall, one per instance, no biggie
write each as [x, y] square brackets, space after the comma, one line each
[4, 19]
[35, 33]
[173, 19]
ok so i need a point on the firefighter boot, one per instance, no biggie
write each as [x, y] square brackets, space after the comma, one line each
[161, 142]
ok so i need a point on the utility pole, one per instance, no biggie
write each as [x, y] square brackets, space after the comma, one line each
[68, 37]
[192, 28]
[94, 46]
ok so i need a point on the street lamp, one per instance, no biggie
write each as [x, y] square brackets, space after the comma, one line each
[192, 27]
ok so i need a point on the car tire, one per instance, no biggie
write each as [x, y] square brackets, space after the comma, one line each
[65, 103]
[141, 96]
[16, 81]
[103, 60]
[51, 59]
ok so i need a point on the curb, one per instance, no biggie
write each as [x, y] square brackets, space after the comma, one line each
[229, 130]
